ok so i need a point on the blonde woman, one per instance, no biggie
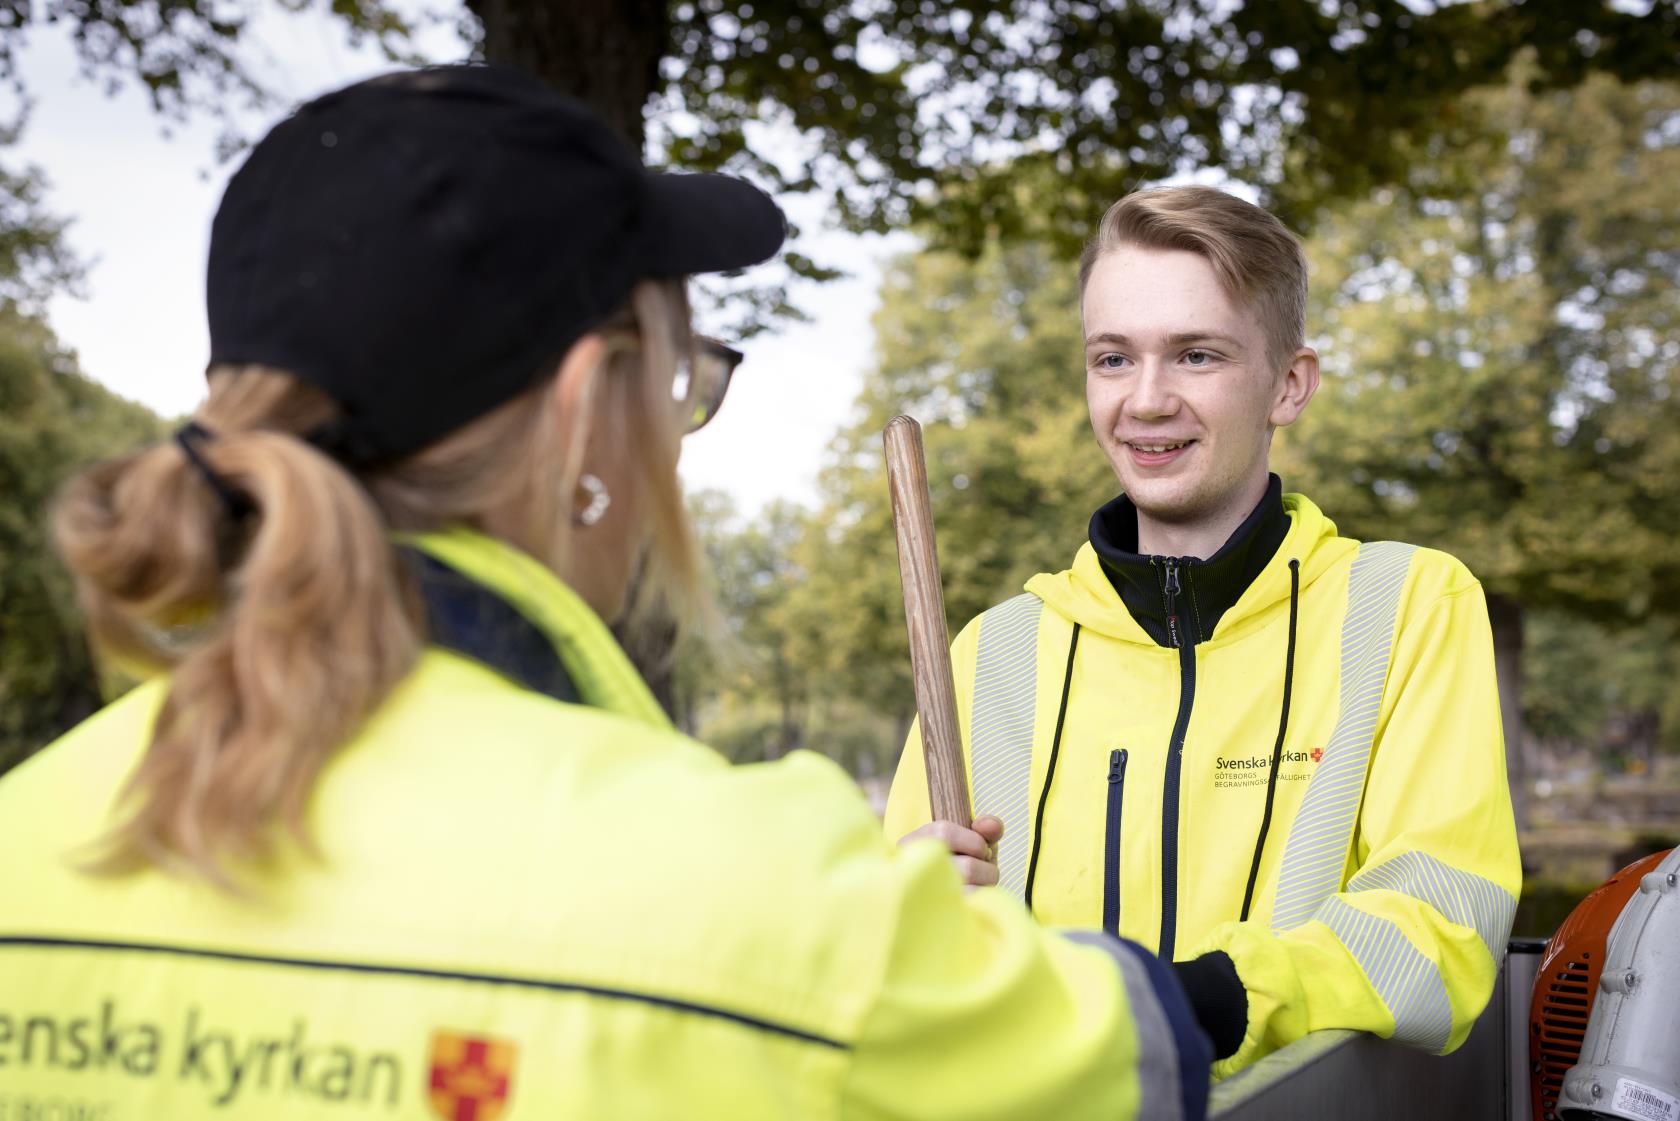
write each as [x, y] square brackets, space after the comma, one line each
[395, 830]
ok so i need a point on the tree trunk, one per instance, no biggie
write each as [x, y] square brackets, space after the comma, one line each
[787, 699]
[1506, 617]
[604, 52]
[1644, 728]
[787, 734]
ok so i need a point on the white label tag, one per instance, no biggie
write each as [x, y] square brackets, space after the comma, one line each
[1640, 1100]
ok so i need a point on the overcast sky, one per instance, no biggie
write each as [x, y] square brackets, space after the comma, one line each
[142, 202]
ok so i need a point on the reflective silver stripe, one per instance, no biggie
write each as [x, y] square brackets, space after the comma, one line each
[1463, 897]
[1317, 849]
[1001, 729]
[1409, 984]
[1157, 1047]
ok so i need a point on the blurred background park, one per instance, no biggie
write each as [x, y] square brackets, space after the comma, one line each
[1489, 192]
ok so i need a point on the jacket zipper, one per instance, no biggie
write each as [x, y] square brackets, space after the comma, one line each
[1175, 762]
[1173, 635]
[1111, 846]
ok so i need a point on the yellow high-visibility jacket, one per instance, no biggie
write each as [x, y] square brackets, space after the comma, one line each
[1134, 779]
[525, 908]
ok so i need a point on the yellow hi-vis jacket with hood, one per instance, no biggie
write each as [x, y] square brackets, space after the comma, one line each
[524, 908]
[1313, 786]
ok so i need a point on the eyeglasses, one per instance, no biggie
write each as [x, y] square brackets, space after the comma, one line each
[701, 381]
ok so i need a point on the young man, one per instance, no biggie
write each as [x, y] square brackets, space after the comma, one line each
[1269, 752]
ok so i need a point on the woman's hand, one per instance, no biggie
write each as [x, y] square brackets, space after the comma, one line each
[973, 850]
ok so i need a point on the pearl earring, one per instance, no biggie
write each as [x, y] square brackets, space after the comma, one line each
[599, 500]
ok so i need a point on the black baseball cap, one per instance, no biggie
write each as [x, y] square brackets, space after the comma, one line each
[424, 245]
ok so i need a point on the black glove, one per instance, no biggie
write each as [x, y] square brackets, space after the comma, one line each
[1218, 999]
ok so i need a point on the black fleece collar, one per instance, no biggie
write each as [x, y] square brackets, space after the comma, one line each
[1208, 587]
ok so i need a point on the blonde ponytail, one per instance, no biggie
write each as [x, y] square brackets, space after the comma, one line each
[281, 631]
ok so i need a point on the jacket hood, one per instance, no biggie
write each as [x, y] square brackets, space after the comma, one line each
[1084, 595]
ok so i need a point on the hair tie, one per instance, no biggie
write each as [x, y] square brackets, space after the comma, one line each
[238, 503]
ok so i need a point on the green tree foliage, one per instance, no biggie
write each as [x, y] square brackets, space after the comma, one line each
[52, 419]
[934, 113]
[1610, 686]
[185, 54]
[1501, 343]
[758, 695]
[1019, 120]
[34, 260]
[911, 112]
[754, 571]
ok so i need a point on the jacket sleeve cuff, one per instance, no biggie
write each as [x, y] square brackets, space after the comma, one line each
[1217, 998]
[1155, 995]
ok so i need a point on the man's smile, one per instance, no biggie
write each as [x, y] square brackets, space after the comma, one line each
[1155, 451]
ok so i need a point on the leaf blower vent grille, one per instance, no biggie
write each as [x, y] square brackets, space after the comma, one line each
[1565, 1002]
[1567, 981]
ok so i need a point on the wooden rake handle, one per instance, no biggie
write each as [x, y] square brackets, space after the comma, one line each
[924, 618]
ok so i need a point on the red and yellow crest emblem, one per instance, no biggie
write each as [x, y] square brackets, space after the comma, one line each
[472, 1076]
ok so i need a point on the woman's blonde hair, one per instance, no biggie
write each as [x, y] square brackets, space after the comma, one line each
[283, 630]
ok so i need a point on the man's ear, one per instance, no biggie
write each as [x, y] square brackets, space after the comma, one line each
[1295, 388]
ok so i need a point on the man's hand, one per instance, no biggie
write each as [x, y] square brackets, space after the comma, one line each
[973, 851]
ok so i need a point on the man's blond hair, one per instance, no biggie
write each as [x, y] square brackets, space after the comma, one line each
[1258, 261]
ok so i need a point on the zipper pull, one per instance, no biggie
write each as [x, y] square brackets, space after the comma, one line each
[1172, 604]
[1117, 766]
